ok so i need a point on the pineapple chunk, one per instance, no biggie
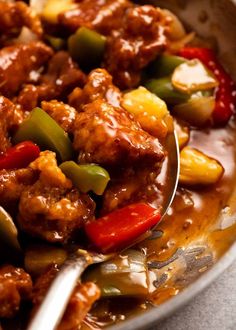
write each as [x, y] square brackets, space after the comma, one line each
[196, 168]
[53, 8]
[149, 110]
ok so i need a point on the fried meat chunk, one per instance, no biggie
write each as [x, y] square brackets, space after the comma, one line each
[102, 16]
[18, 62]
[15, 15]
[110, 136]
[15, 285]
[60, 78]
[98, 86]
[51, 208]
[13, 183]
[131, 186]
[141, 38]
[10, 118]
[62, 113]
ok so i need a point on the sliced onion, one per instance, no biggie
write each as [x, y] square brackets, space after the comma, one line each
[192, 76]
[176, 45]
[176, 28]
[26, 36]
[125, 275]
[197, 111]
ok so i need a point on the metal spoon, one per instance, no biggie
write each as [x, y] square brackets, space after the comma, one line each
[54, 304]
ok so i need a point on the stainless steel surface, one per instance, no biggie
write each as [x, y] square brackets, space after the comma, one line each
[54, 304]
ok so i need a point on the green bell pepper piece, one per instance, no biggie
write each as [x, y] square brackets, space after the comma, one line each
[164, 89]
[87, 47]
[164, 65]
[8, 230]
[86, 177]
[40, 128]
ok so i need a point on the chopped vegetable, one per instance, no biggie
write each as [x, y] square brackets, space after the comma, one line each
[19, 156]
[196, 168]
[164, 89]
[197, 111]
[183, 133]
[53, 8]
[8, 230]
[176, 29]
[86, 178]
[192, 76]
[149, 110]
[165, 65]
[225, 101]
[56, 43]
[87, 47]
[122, 227]
[124, 275]
[39, 258]
[40, 128]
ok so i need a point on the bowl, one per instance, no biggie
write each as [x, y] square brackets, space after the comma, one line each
[214, 21]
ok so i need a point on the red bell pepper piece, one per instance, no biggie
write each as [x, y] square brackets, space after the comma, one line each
[122, 227]
[19, 156]
[226, 91]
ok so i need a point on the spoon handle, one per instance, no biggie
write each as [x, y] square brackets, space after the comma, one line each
[54, 304]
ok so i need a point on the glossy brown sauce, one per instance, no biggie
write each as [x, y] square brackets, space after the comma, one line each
[193, 235]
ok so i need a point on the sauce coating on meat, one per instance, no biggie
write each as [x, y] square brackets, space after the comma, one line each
[98, 86]
[16, 15]
[60, 78]
[51, 208]
[136, 34]
[141, 38]
[103, 16]
[10, 118]
[110, 136]
[62, 113]
[113, 141]
[17, 62]
[13, 183]
[15, 284]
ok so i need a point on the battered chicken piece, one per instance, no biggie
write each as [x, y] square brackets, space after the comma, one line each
[10, 118]
[12, 184]
[135, 34]
[80, 302]
[131, 186]
[15, 285]
[103, 16]
[15, 15]
[110, 136]
[61, 77]
[141, 38]
[18, 62]
[51, 208]
[99, 86]
[62, 113]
